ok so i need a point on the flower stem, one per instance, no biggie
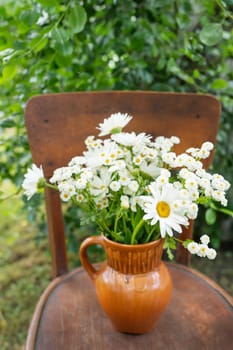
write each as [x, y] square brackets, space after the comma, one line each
[178, 240]
[222, 210]
[116, 221]
[137, 228]
[54, 187]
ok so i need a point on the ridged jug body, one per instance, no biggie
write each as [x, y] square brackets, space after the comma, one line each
[133, 286]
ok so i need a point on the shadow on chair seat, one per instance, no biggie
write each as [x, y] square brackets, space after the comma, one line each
[68, 317]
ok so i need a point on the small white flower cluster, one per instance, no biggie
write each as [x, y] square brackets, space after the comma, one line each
[201, 249]
[130, 180]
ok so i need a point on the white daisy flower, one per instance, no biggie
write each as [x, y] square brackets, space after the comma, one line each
[137, 160]
[61, 174]
[114, 124]
[204, 183]
[118, 165]
[101, 202]
[217, 177]
[181, 160]
[91, 142]
[164, 143]
[131, 139]
[150, 169]
[124, 178]
[221, 185]
[202, 251]
[80, 198]
[133, 186]
[104, 155]
[81, 183]
[159, 141]
[65, 196]
[87, 174]
[208, 191]
[177, 185]
[169, 158]
[88, 141]
[99, 185]
[193, 247]
[115, 186]
[149, 152]
[190, 162]
[191, 184]
[203, 154]
[202, 173]
[79, 160]
[211, 254]
[105, 202]
[158, 208]
[193, 151]
[162, 180]
[134, 201]
[175, 139]
[124, 202]
[32, 180]
[205, 239]
[165, 172]
[194, 195]
[192, 211]
[219, 196]
[75, 169]
[178, 207]
[185, 194]
[197, 164]
[67, 187]
[207, 145]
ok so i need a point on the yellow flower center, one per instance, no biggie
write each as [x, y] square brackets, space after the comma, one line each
[163, 209]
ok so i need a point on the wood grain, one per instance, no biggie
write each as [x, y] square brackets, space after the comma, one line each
[68, 317]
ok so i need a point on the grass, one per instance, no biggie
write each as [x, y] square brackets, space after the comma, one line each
[23, 265]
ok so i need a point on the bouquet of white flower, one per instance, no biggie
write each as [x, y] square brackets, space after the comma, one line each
[137, 189]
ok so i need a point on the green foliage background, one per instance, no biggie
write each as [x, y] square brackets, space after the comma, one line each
[167, 45]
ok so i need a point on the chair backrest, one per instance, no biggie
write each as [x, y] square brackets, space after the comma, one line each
[57, 125]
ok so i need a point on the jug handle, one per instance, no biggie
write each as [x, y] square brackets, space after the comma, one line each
[92, 272]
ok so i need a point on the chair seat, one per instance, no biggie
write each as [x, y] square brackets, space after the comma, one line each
[68, 317]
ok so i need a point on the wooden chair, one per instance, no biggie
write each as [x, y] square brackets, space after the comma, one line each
[68, 316]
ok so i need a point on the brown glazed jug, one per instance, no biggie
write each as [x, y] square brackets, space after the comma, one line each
[133, 286]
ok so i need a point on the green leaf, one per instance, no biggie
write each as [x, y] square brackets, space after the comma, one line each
[9, 72]
[219, 84]
[210, 216]
[48, 2]
[38, 44]
[77, 19]
[211, 34]
[7, 123]
[226, 211]
[28, 18]
[60, 35]
[170, 254]
[170, 245]
[62, 60]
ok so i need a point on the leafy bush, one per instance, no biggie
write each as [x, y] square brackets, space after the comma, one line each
[166, 45]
